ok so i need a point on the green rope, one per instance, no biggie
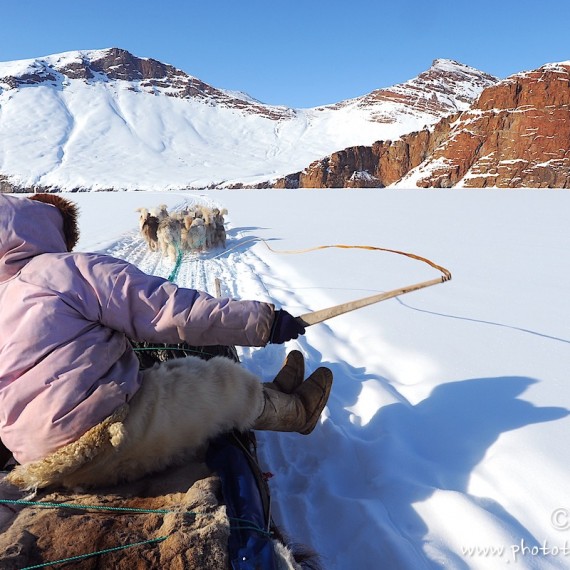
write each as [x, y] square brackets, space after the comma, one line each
[87, 507]
[98, 553]
[47, 505]
[177, 265]
[242, 524]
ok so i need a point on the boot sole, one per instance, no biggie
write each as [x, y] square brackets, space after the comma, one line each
[326, 387]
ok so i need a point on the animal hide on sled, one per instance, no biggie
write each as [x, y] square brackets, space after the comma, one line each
[191, 531]
[32, 535]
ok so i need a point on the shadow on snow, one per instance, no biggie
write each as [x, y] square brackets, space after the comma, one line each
[370, 476]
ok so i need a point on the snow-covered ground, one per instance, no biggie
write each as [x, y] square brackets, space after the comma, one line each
[445, 442]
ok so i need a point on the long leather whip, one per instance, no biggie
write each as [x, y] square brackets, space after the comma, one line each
[315, 317]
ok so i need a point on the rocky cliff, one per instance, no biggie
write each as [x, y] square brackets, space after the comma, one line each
[517, 134]
[376, 166]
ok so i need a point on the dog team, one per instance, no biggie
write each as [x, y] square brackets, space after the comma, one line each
[194, 229]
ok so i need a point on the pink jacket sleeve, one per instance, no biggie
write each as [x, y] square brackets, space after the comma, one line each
[150, 308]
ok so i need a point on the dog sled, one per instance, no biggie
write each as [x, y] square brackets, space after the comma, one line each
[210, 513]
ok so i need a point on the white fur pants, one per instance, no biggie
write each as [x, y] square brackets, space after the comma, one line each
[181, 404]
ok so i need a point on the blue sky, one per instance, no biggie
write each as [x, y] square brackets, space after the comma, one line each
[299, 53]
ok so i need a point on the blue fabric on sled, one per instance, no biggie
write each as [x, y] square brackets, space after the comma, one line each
[249, 549]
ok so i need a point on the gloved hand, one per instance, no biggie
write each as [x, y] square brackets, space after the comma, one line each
[285, 327]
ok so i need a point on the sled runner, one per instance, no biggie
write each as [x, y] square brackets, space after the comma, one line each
[212, 513]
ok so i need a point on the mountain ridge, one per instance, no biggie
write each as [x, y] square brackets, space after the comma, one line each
[118, 64]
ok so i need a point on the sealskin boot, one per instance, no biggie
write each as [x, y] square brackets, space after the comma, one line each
[291, 374]
[298, 411]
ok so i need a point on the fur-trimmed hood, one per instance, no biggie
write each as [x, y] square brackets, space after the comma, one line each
[69, 213]
[31, 227]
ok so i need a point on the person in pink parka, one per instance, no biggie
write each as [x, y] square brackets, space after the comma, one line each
[75, 409]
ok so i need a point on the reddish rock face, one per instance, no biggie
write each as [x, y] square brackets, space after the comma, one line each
[120, 64]
[516, 135]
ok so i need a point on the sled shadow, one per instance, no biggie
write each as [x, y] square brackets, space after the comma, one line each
[459, 421]
[436, 444]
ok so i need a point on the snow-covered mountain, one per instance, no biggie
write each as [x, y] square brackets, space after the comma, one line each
[105, 119]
